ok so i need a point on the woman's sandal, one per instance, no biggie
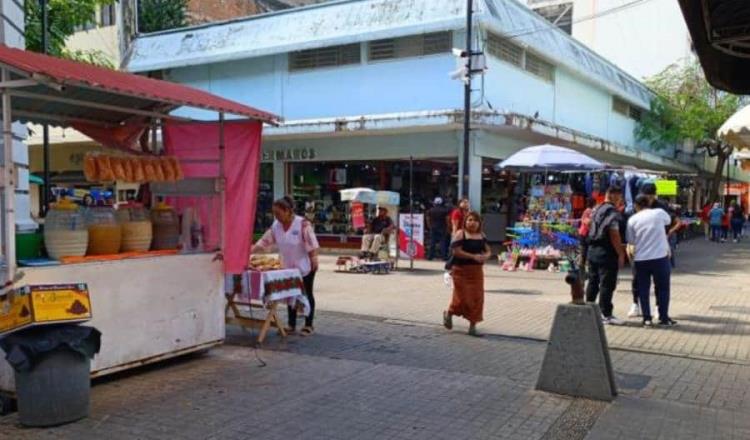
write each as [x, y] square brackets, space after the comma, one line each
[307, 331]
[447, 320]
[290, 330]
[473, 332]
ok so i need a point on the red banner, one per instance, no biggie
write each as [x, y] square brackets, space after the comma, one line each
[358, 215]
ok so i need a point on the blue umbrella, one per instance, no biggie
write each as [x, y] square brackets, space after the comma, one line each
[548, 157]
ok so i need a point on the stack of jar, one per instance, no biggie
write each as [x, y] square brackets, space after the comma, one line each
[105, 233]
[137, 230]
[101, 230]
[65, 231]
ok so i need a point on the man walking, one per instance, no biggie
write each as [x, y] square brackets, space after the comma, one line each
[647, 235]
[437, 222]
[606, 254]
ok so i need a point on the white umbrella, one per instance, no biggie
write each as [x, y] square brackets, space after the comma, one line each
[548, 157]
[736, 130]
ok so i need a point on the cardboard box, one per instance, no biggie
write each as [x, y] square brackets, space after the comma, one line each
[44, 304]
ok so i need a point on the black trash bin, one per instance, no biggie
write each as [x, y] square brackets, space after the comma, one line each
[52, 365]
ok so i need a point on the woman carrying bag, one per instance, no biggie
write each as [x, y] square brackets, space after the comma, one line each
[470, 252]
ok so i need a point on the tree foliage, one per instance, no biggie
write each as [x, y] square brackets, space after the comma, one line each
[687, 108]
[160, 15]
[63, 17]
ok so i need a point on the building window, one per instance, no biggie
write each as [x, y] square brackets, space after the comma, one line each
[626, 109]
[412, 46]
[539, 67]
[108, 15]
[561, 15]
[514, 54]
[325, 57]
[505, 50]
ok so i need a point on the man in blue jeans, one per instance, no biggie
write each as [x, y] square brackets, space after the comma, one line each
[649, 247]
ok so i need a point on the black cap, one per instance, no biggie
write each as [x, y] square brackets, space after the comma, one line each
[648, 189]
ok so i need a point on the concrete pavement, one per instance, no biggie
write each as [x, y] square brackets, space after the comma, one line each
[390, 371]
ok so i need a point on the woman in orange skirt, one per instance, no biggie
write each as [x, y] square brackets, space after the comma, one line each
[470, 251]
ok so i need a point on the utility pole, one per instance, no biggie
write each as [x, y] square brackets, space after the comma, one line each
[45, 128]
[467, 98]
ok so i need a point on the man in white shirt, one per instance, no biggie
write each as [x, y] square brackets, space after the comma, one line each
[647, 236]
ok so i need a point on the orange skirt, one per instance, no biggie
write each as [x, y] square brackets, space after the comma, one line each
[468, 292]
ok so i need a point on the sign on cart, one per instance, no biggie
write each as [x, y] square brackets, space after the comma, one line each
[411, 246]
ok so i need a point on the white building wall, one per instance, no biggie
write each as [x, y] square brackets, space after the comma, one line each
[642, 39]
[11, 34]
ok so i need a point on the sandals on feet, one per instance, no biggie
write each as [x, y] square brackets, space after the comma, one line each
[474, 332]
[307, 331]
[447, 320]
[290, 330]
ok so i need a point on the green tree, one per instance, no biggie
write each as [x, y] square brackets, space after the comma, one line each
[63, 17]
[160, 15]
[687, 109]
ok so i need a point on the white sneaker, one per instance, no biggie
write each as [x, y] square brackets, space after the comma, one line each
[635, 311]
[612, 320]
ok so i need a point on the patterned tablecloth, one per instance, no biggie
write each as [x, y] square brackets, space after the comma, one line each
[285, 286]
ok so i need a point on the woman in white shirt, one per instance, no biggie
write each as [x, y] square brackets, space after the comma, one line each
[298, 247]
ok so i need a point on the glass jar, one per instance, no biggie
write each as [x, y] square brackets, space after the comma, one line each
[105, 234]
[65, 231]
[137, 231]
[166, 227]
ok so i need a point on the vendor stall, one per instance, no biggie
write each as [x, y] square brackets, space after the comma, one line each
[546, 234]
[154, 301]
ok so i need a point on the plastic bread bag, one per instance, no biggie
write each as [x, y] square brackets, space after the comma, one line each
[166, 167]
[104, 168]
[139, 175]
[118, 169]
[90, 170]
[148, 169]
[158, 170]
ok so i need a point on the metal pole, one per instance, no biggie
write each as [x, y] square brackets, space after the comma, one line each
[9, 185]
[46, 197]
[726, 189]
[411, 214]
[222, 183]
[467, 99]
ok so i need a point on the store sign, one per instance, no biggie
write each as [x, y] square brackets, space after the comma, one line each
[411, 246]
[289, 154]
[358, 215]
[666, 187]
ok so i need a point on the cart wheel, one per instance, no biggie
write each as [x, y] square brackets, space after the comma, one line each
[7, 405]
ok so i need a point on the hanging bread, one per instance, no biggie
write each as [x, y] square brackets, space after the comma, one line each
[148, 169]
[90, 168]
[104, 169]
[178, 174]
[118, 168]
[158, 169]
[166, 167]
[127, 166]
[139, 175]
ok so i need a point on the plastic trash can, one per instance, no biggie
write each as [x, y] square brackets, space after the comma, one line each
[52, 368]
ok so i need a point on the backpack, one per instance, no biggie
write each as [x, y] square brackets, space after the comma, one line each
[599, 219]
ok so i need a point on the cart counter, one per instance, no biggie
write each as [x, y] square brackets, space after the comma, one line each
[148, 309]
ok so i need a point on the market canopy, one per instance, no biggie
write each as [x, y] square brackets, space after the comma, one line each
[720, 31]
[59, 92]
[736, 130]
[542, 158]
[367, 195]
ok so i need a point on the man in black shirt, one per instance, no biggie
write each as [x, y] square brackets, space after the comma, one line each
[437, 223]
[606, 254]
[377, 231]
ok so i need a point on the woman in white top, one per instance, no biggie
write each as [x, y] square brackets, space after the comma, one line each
[298, 247]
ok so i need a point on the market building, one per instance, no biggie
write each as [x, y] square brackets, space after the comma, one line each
[365, 91]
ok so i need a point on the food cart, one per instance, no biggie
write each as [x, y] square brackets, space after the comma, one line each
[366, 196]
[149, 308]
